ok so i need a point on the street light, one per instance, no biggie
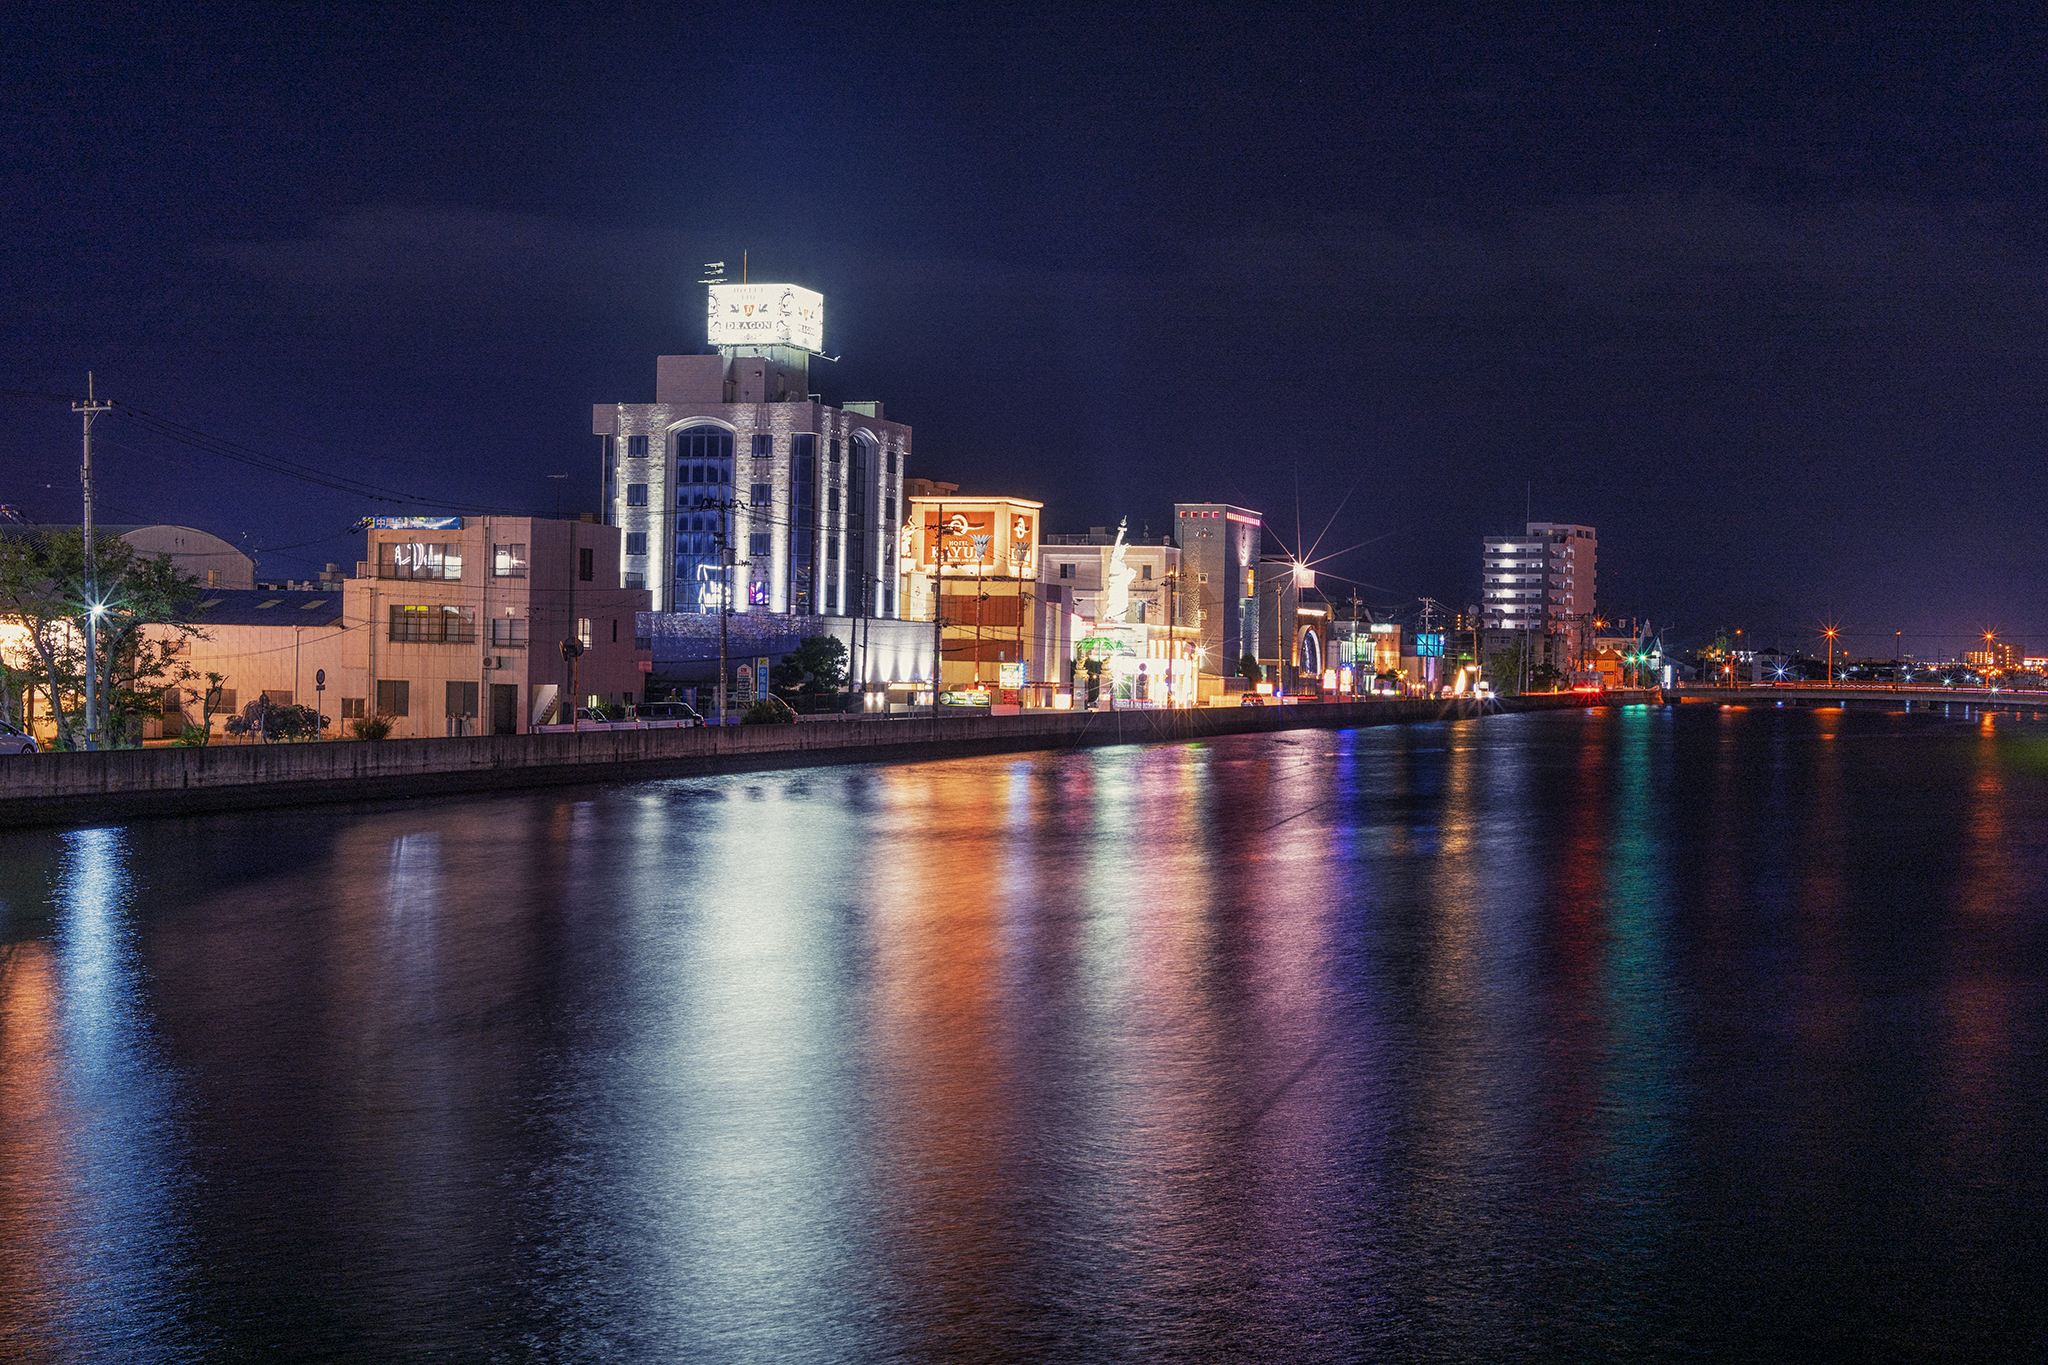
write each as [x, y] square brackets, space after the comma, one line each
[1830, 633]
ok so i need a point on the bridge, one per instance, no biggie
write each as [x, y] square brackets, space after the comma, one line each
[1958, 701]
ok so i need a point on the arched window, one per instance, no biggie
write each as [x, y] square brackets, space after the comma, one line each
[703, 483]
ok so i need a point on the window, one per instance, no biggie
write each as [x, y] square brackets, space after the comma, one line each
[352, 708]
[586, 565]
[434, 625]
[636, 495]
[1066, 571]
[761, 496]
[636, 580]
[583, 630]
[411, 560]
[277, 696]
[764, 446]
[508, 561]
[508, 632]
[615, 630]
[462, 698]
[803, 509]
[1201, 578]
[1145, 572]
[892, 459]
[757, 545]
[888, 511]
[636, 447]
[394, 697]
[636, 542]
[832, 498]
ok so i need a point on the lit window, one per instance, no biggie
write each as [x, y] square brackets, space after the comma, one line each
[508, 561]
[412, 560]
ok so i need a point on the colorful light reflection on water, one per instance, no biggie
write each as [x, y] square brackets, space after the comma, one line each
[1630, 1032]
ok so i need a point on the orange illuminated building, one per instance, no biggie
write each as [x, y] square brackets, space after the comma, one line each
[998, 634]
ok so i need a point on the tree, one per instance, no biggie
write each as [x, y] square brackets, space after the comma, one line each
[1248, 667]
[815, 666]
[42, 592]
[769, 711]
[1504, 666]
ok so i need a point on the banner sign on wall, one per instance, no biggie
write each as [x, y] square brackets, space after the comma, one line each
[415, 523]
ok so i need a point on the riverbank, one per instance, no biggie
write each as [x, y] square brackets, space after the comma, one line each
[79, 788]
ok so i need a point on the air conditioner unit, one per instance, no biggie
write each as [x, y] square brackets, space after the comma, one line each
[489, 663]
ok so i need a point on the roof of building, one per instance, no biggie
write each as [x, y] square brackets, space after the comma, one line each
[262, 607]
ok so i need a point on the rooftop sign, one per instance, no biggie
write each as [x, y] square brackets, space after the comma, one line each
[415, 523]
[766, 315]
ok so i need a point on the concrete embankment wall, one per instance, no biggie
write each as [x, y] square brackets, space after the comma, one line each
[74, 788]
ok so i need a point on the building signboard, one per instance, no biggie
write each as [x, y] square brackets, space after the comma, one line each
[1011, 676]
[968, 539]
[415, 523]
[766, 315]
[1429, 646]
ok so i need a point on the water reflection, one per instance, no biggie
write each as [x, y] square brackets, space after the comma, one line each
[1629, 1032]
[93, 1255]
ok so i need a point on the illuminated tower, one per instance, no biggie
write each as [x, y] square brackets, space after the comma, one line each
[737, 468]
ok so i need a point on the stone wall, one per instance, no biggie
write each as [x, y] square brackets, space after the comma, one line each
[74, 788]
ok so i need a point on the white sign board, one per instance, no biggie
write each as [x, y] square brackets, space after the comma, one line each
[766, 315]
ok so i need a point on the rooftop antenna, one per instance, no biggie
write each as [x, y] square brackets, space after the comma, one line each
[714, 273]
[743, 266]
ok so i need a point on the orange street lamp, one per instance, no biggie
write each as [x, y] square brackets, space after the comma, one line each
[1830, 633]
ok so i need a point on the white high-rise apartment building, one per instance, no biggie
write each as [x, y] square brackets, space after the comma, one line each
[1541, 580]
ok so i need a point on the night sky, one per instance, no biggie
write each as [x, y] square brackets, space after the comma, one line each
[1761, 298]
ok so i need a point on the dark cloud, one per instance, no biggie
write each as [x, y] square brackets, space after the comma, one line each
[1762, 299]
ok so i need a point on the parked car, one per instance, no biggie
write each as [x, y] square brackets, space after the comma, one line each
[1249, 698]
[15, 741]
[667, 710]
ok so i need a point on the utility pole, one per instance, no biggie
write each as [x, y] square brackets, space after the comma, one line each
[724, 538]
[88, 410]
[938, 546]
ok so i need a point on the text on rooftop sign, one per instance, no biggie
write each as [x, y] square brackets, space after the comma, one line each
[766, 315]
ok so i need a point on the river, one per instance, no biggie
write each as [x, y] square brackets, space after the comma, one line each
[1658, 1033]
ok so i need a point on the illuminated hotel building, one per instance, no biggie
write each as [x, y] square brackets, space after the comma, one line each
[1219, 547]
[999, 631]
[1542, 580]
[737, 467]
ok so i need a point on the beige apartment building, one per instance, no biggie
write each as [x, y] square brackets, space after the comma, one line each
[451, 626]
